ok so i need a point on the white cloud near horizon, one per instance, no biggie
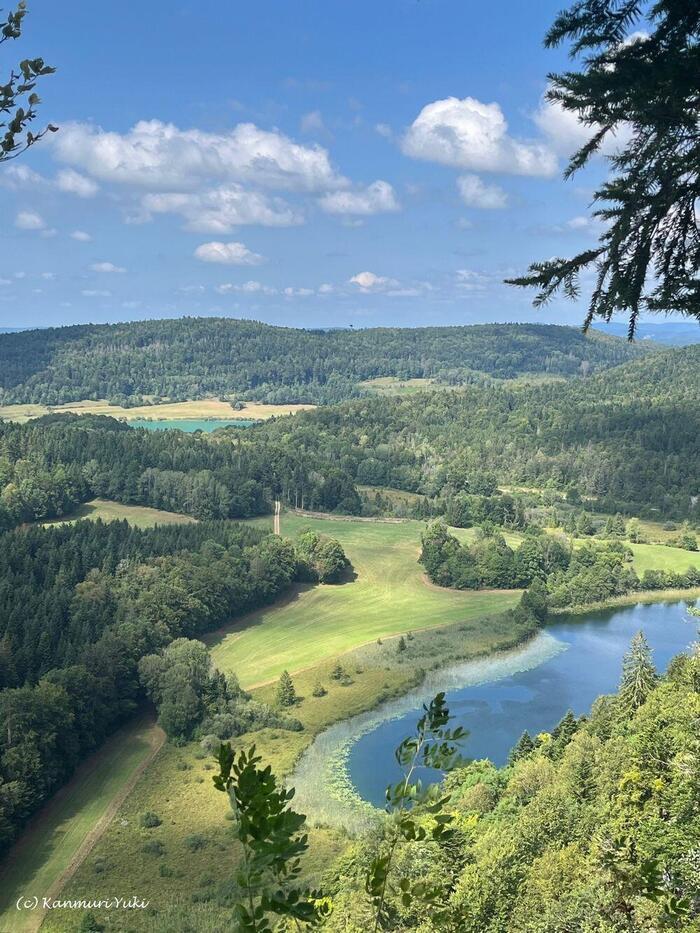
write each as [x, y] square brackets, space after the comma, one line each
[476, 193]
[369, 282]
[107, 267]
[469, 134]
[230, 254]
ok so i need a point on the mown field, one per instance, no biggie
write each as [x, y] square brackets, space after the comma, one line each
[389, 595]
[138, 515]
[166, 411]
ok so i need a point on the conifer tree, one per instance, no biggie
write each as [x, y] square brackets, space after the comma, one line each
[638, 674]
[286, 694]
[522, 748]
[637, 93]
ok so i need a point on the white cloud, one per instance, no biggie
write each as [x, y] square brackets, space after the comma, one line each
[159, 155]
[230, 254]
[74, 183]
[20, 176]
[326, 289]
[247, 288]
[566, 133]
[470, 281]
[5, 281]
[219, 210]
[81, 236]
[369, 282]
[384, 130]
[290, 292]
[475, 193]
[106, 267]
[471, 135]
[29, 220]
[96, 293]
[312, 122]
[374, 199]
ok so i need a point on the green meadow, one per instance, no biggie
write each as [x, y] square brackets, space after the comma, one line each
[389, 595]
[138, 515]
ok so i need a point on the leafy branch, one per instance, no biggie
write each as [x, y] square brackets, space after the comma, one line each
[18, 98]
[272, 841]
[433, 746]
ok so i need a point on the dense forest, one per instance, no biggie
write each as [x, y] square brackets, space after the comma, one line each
[90, 613]
[624, 440]
[196, 357]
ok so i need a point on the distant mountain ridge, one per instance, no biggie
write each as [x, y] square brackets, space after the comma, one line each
[191, 358]
[671, 333]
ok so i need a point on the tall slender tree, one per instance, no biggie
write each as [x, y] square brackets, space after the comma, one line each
[638, 674]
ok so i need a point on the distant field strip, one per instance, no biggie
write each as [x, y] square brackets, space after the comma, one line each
[167, 411]
[387, 597]
[140, 516]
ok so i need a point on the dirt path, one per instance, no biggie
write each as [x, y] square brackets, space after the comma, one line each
[276, 523]
[155, 737]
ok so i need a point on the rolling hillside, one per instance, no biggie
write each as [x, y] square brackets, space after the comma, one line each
[195, 357]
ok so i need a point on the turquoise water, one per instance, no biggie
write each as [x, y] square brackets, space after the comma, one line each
[191, 424]
[499, 703]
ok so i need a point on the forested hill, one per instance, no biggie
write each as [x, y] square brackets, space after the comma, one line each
[195, 357]
[627, 439]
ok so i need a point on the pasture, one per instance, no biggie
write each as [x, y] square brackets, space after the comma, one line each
[139, 516]
[165, 411]
[388, 596]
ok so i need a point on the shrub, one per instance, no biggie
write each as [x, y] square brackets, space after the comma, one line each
[319, 690]
[149, 820]
[195, 842]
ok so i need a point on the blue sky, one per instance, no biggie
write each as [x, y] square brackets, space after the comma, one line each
[296, 162]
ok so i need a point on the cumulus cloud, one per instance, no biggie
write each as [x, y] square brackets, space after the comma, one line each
[81, 236]
[73, 182]
[219, 210]
[376, 198]
[251, 287]
[471, 135]
[566, 133]
[96, 293]
[161, 156]
[108, 267]
[291, 292]
[230, 254]
[475, 193]
[29, 220]
[369, 282]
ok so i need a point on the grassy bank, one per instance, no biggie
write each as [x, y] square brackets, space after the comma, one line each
[631, 599]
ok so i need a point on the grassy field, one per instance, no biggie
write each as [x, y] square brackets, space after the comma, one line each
[49, 845]
[166, 411]
[392, 385]
[138, 515]
[388, 596]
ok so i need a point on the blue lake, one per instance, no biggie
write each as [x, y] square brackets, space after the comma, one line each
[585, 662]
[190, 425]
